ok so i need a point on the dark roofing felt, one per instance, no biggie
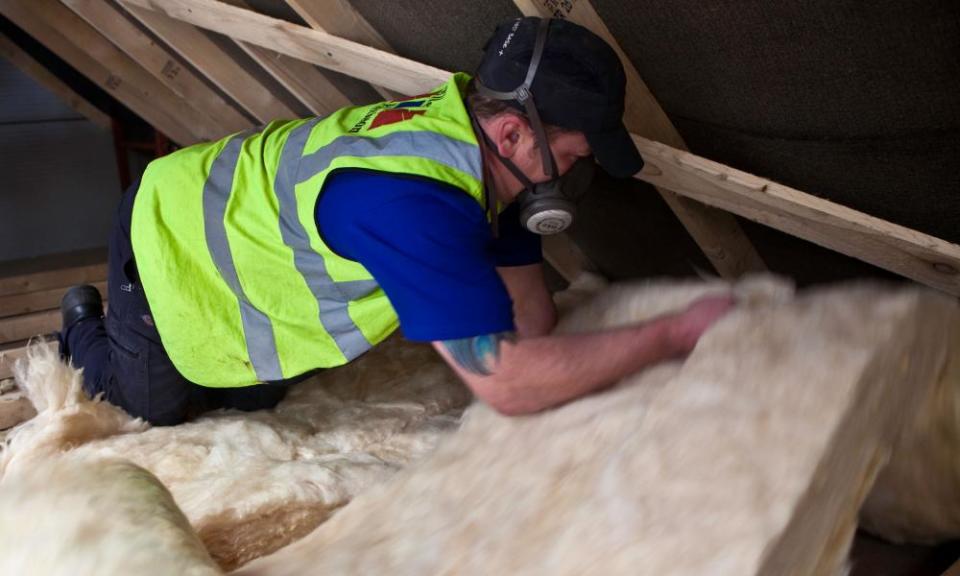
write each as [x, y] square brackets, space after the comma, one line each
[855, 101]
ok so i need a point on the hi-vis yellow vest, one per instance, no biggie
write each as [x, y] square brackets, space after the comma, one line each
[241, 287]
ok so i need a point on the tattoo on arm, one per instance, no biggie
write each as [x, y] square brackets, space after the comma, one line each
[478, 354]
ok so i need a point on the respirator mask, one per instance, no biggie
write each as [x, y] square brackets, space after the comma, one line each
[545, 207]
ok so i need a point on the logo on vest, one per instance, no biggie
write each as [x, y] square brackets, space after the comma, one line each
[387, 113]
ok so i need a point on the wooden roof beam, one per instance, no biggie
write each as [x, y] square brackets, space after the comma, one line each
[899, 249]
[307, 84]
[325, 50]
[339, 18]
[717, 233]
[213, 62]
[919, 256]
[92, 55]
[303, 80]
[220, 117]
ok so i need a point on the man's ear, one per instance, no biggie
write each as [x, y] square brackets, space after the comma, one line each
[507, 133]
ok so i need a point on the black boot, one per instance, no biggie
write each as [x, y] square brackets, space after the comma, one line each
[78, 303]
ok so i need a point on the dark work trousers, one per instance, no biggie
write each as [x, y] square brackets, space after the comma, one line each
[123, 358]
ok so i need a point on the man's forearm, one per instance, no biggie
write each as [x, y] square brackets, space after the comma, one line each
[527, 375]
[532, 374]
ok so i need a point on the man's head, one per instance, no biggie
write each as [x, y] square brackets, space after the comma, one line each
[551, 81]
[512, 134]
[578, 84]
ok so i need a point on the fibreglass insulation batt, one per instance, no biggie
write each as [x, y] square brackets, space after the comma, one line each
[917, 496]
[253, 482]
[751, 457]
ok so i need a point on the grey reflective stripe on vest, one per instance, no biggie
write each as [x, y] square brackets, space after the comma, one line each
[257, 329]
[456, 154]
[333, 298]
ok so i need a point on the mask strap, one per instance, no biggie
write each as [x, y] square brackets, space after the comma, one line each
[489, 200]
[546, 154]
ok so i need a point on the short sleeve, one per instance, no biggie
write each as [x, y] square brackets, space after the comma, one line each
[426, 243]
[515, 245]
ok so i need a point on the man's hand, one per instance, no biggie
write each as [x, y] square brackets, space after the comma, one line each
[689, 325]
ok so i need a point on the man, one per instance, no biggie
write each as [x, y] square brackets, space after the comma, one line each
[240, 266]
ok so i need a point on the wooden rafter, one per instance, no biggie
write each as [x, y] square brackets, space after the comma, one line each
[325, 50]
[907, 252]
[304, 81]
[217, 65]
[16, 56]
[307, 84]
[217, 115]
[74, 41]
[339, 18]
[717, 233]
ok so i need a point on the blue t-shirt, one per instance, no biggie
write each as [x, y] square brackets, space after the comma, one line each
[429, 246]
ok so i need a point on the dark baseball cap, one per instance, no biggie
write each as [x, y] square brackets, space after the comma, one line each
[579, 84]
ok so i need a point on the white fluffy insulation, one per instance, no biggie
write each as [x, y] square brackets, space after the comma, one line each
[917, 497]
[70, 516]
[748, 458]
[252, 482]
